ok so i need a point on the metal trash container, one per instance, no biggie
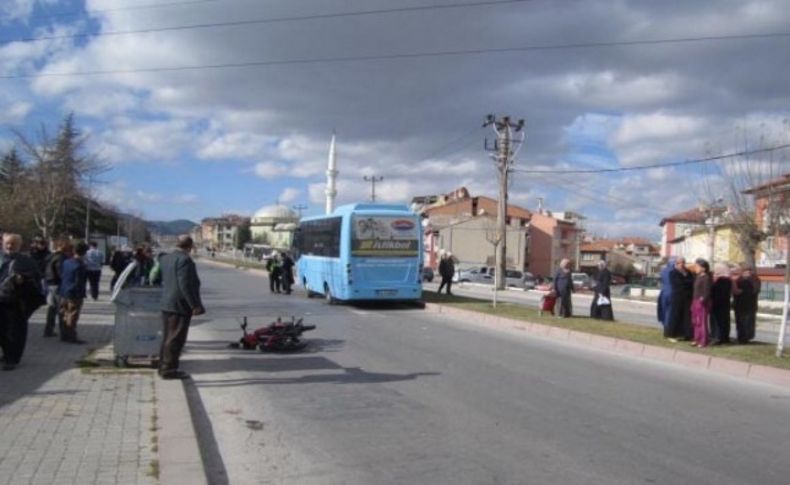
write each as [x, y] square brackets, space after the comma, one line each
[138, 321]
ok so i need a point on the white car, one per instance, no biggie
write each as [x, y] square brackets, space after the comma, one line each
[581, 281]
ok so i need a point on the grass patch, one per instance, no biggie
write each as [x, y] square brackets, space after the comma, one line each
[153, 469]
[753, 353]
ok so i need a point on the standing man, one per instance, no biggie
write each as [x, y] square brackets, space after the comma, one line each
[180, 302]
[287, 273]
[563, 287]
[446, 271]
[40, 253]
[20, 296]
[94, 260]
[72, 293]
[52, 278]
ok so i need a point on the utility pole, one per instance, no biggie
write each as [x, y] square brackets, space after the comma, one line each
[503, 157]
[372, 179]
[299, 208]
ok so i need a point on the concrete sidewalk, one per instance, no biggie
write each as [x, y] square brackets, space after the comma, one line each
[64, 423]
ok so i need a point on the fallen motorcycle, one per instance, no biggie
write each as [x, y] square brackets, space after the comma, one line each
[278, 336]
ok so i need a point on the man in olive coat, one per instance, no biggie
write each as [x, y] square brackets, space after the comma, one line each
[180, 302]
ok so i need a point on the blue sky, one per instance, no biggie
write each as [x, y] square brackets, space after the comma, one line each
[201, 141]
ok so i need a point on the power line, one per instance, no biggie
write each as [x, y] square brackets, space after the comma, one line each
[450, 144]
[657, 165]
[147, 6]
[272, 20]
[413, 55]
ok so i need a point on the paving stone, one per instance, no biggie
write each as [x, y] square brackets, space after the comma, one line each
[62, 424]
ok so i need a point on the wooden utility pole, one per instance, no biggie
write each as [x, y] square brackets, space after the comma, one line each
[503, 157]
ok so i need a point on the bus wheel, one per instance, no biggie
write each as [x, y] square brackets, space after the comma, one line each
[307, 290]
[328, 295]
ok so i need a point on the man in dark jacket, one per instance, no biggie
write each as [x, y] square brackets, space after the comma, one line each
[180, 302]
[287, 273]
[40, 253]
[20, 296]
[52, 278]
[446, 271]
[72, 292]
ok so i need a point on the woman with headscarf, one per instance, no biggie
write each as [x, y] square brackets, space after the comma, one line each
[664, 304]
[602, 301]
[745, 305]
[563, 287]
[700, 306]
[681, 283]
[720, 298]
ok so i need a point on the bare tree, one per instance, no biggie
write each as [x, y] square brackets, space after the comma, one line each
[56, 171]
[13, 174]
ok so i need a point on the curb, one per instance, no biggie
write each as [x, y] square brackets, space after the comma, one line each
[718, 365]
[180, 460]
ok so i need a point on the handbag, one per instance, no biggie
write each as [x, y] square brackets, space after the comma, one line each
[603, 301]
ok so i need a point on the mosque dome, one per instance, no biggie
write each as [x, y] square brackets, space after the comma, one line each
[275, 212]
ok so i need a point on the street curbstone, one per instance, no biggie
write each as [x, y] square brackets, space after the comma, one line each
[559, 333]
[662, 354]
[689, 359]
[579, 337]
[719, 365]
[770, 375]
[729, 367]
[541, 330]
[628, 347]
[601, 342]
[180, 460]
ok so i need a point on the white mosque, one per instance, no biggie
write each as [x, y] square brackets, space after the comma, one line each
[274, 226]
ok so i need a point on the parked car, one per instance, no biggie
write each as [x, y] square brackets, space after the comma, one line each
[427, 274]
[473, 275]
[581, 281]
[618, 280]
[529, 282]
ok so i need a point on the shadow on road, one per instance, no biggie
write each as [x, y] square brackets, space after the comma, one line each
[213, 466]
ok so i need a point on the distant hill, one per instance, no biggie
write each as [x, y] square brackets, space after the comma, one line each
[170, 228]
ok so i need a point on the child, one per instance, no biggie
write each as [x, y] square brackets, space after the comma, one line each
[547, 302]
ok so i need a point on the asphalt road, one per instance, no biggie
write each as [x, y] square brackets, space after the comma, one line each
[390, 395]
[628, 311]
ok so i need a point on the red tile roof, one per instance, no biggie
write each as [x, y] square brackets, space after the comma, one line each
[782, 183]
[691, 215]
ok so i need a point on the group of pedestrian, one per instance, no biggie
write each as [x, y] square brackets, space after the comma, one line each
[28, 281]
[20, 295]
[695, 303]
[280, 267]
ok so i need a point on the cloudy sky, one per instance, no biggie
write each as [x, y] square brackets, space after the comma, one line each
[211, 106]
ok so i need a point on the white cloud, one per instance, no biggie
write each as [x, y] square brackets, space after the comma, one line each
[289, 194]
[237, 145]
[185, 199]
[15, 112]
[149, 197]
[270, 170]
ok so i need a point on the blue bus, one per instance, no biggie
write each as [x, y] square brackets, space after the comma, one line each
[362, 251]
